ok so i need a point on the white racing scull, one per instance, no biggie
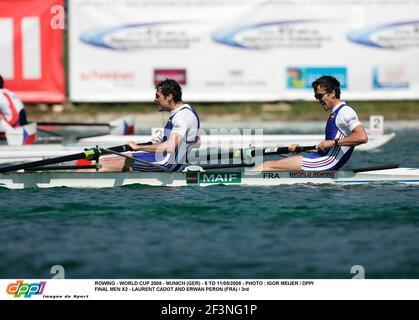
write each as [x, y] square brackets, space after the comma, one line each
[20, 180]
[42, 175]
[34, 152]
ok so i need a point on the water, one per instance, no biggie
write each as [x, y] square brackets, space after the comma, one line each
[301, 231]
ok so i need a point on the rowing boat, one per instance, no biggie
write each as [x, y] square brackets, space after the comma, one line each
[45, 173]
[20, 180]
[34, 152]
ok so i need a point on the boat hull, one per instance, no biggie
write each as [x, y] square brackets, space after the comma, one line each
[21, 180]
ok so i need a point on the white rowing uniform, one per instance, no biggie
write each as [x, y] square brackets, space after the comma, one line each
[11, 110]
[342, 121]
[185, 122]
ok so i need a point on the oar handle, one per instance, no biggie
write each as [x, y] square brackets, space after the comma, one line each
[245, 154]
[68, 124]
[283, 150]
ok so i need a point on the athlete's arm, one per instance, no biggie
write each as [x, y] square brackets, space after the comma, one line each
[179, 130]
[358, 136]
[169, 146]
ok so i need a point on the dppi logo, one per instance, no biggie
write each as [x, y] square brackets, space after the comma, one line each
[27, 290]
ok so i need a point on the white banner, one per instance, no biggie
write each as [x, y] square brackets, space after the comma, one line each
[207, 289]
[243, 50]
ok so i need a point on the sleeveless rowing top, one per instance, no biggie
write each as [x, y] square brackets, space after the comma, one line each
[332, 131]
[184, 121]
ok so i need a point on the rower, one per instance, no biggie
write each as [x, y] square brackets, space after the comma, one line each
[180, 134]
[12, 110]
[343, 132]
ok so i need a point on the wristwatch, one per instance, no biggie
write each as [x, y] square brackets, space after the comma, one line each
[337, 142]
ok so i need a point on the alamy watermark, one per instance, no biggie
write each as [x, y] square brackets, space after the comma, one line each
[57, 271]
[58, 17]
[358, 271]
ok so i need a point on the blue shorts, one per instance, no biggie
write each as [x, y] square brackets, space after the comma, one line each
[148, 157]
[334, 159]
[153, 158]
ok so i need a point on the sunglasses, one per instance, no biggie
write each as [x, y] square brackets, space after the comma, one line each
[319, 96]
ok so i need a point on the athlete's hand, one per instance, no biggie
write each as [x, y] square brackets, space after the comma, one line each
[293, 148]
[156, 139]
[133, 145]
[326, 145]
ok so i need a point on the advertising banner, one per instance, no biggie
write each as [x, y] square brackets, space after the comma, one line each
[31, 47]
[243, 50]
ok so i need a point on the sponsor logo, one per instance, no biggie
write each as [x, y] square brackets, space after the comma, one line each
[275, 35]
[216, 178]
[142, 36]
[302, 77]
[96, 75]
[312, 174]
[192, 178]
[230, 177]
[396, 36]
[390, 77]
[27, 290]
[176, 74]
[351, 120]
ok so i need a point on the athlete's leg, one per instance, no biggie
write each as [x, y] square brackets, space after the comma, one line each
[146, 163]
[115, 164]
[287, 164]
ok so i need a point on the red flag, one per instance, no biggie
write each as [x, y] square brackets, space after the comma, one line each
[32, 49]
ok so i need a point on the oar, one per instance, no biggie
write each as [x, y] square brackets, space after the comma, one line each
[121, 126]
[89, 154]
[245, 154]
[281, 150]
[51, 133]
[226, 166]
[68, 124]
